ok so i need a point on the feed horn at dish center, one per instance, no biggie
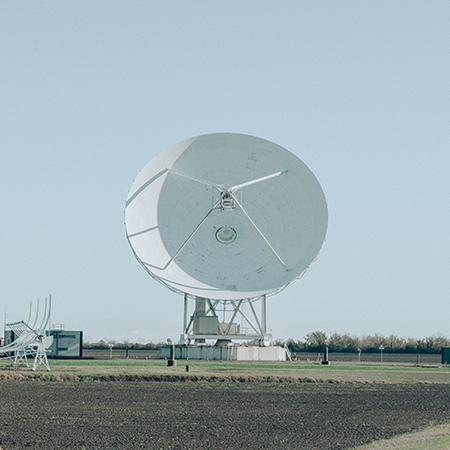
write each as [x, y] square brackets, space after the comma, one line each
[226, 220]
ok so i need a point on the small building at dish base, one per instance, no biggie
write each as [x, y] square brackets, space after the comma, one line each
[228, 353]
[66, 344]
[445, 355]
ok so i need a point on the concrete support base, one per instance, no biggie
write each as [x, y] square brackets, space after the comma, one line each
[229, 353]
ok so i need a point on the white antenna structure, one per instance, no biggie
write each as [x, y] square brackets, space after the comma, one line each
[29, 339]
[226, 220]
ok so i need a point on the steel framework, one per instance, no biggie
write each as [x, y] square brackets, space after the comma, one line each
[29, 340]
[225, 320]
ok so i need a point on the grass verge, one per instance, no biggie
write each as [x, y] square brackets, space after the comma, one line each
[432, 438]
[222, 370]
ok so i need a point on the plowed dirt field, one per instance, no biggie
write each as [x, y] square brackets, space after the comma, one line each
[200, 415]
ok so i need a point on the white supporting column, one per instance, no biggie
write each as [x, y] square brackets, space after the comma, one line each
[263, 314]
[185, 313]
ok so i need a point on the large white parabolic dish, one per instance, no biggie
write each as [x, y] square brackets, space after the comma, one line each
[226, 216]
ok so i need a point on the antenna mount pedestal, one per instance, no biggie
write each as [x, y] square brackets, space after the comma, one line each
[225, 321]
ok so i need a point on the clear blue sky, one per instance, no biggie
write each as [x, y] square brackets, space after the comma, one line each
[359, 90]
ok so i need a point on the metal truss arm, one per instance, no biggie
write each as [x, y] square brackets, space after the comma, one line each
[256, 318]
[257, 180]
[199, 180]
[212, 307]
[192, 234]
[238, 309]
[258, 230]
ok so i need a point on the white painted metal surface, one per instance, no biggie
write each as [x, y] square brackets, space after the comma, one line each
[29, 340]
[226, 216]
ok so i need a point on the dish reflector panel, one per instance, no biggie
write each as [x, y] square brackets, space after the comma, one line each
[226, 216]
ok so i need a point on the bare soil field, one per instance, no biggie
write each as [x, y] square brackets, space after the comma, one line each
[220, 415]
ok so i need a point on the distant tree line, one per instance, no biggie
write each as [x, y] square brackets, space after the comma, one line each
[124, 345]
[336, 342]
[317, 341]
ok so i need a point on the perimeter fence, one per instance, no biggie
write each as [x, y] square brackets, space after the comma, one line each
[301, 357]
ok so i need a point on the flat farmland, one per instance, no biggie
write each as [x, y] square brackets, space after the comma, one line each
[162, 415]
[135, 403]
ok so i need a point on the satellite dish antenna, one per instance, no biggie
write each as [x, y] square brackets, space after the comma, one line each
[226, 219]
